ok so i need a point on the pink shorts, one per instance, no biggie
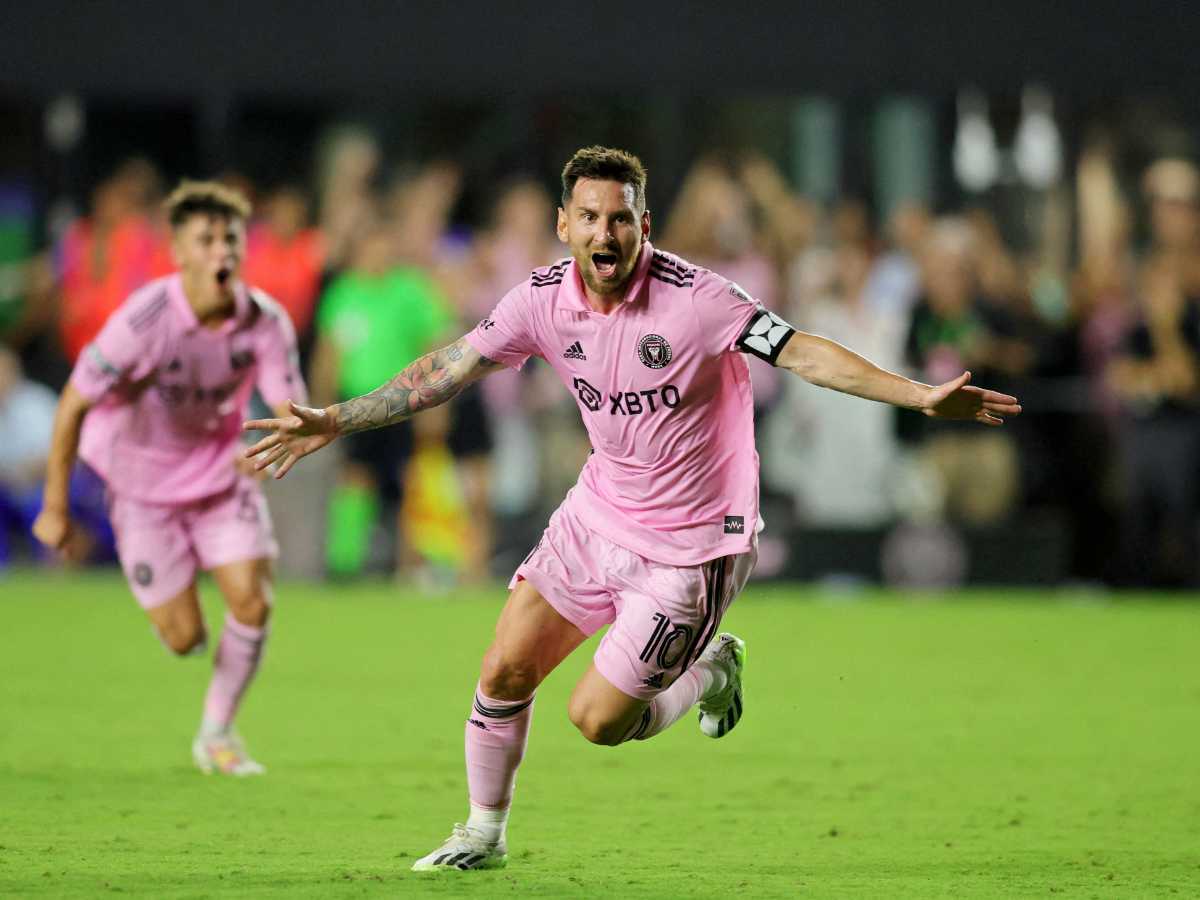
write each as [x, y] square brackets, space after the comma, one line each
[662, 616]
[161, 547]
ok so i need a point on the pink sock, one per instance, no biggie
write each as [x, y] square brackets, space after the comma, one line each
[496, 733]
[668, 707]
[234, 666]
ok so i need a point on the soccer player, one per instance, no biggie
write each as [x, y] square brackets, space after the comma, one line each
[658, 535]
[154, 405]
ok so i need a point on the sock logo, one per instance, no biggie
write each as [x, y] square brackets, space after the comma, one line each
[575, 351]
[654, 681]
[735, 525]
[478, 724]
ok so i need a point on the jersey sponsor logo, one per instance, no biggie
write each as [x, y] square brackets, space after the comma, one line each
[588, 395]
[735, 524]
[179, 394]
[575, 351]
[628, 403]
[765, 336]
[654, 351]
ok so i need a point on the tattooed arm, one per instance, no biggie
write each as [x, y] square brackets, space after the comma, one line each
[430, 381]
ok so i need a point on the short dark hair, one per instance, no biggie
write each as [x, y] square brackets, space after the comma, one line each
[210, 198]
[607, 164]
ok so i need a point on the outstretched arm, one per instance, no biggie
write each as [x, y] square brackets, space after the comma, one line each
[430, 381]
[828, 364]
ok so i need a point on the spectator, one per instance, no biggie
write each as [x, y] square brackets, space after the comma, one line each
[818, 436]
[26, 420]
[519, 237]
[712, 224]
[371, 316]
[953, 330]
[285, 255]
[109, 254]
[895, 279]
[349, 158]
[1159, 380]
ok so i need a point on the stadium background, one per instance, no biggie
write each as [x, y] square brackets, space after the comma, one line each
[834, 159]
[878, 124]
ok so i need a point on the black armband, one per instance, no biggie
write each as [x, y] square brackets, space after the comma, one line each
[765, 335]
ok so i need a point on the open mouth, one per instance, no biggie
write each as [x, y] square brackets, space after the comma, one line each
[223, 275]
[605, 264]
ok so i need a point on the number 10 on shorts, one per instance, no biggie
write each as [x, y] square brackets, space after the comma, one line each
[670, 642]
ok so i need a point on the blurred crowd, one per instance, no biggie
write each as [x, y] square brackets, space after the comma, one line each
[1091, 315]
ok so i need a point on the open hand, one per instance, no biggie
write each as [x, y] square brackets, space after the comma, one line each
[292, 437]
[959, 400]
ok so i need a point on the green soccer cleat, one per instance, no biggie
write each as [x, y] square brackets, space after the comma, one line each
[720, 713]
[464, 850]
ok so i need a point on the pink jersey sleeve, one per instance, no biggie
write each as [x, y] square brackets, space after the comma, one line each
[123, 352]
[279, 378]
[731, 320]
[724, 310]
[507, 336]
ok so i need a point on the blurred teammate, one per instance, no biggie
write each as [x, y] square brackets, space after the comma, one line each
[658, 535]
[154, 405]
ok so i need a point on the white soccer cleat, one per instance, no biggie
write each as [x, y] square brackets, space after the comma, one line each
[224, 754]
[465, 849]
[720, 713]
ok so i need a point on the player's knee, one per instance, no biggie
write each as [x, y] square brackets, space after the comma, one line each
[183, 638]
[507, 679]
[251, 607]
[595, 728]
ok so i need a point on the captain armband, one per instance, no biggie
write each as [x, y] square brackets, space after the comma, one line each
[765, 335]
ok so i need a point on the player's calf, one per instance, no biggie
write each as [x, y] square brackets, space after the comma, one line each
[603, 714]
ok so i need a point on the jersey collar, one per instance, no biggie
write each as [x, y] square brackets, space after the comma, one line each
[573, 286]
[241, 306]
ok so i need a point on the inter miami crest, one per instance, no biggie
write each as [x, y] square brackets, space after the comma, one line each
[654, 351]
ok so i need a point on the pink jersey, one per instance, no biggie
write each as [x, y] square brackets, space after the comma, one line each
[170, 395]
[665, 398]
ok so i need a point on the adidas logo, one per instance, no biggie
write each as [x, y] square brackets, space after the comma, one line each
[575, 351]
[478, 724]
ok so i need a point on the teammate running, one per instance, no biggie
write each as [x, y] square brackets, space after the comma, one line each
[154, 405]
[658, 535]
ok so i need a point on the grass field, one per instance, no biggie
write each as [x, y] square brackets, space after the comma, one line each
[1002, 745]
